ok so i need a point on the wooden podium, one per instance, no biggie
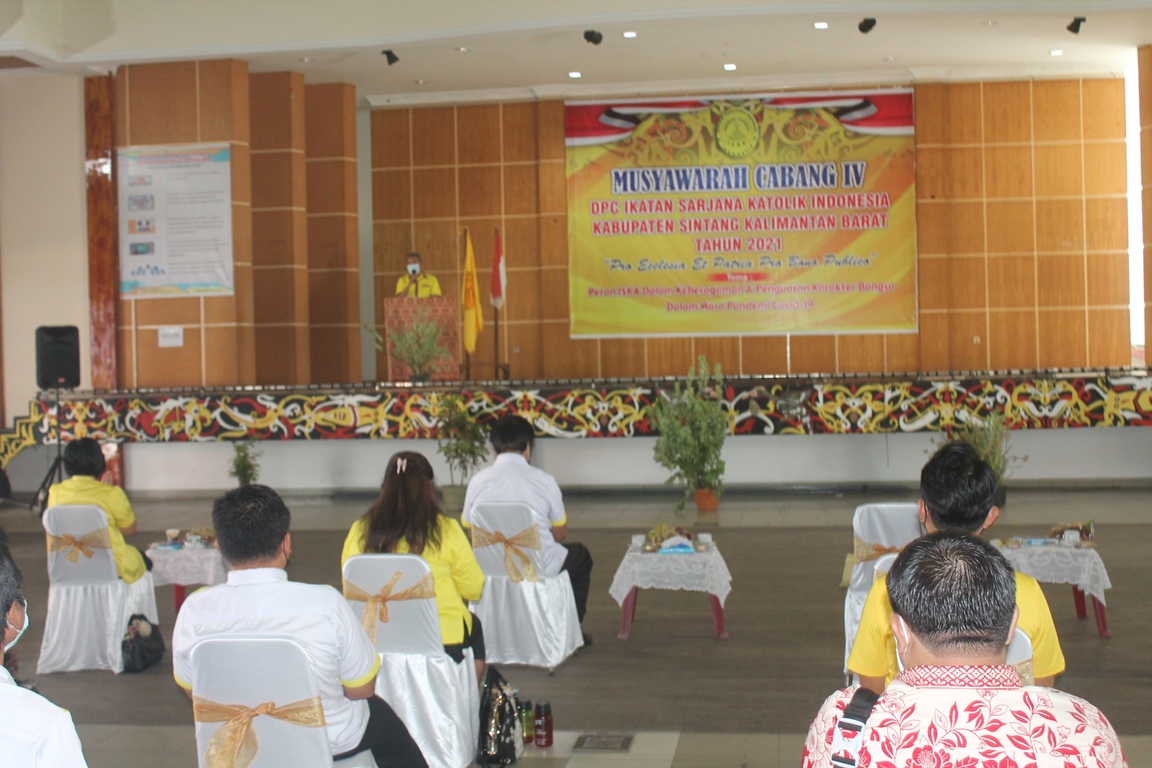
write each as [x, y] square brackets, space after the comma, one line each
[399, 311]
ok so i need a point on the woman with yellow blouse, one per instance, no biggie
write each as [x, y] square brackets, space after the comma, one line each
[406, 519]
[84, 463]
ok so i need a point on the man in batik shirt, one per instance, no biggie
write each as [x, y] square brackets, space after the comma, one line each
[956, 702]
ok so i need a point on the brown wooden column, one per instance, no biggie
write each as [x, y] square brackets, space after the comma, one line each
[183, 103]
[1145, 73]
[333, 237]
[279, 229]
[103, 228]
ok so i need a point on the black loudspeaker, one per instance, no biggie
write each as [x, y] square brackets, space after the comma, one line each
[57, 357]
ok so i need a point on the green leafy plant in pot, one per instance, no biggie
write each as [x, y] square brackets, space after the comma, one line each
[693, 424]
[462, 442]
[416, 344]
[991, 438]
[245, 462]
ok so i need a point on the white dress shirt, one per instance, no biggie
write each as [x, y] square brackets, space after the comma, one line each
[261, 602]
[34, 732]
[512, 479]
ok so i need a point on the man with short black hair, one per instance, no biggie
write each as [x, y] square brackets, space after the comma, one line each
[258, 601]
[34, 732]
[416, 283]
[957, 492]
[957, 702]
[512, 479]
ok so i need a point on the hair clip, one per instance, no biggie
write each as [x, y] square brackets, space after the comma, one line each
[401, 465]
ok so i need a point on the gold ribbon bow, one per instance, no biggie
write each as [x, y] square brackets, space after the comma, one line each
[234, 745]
[864, 551]
[377, 604]
[528, 538]
[77, 545]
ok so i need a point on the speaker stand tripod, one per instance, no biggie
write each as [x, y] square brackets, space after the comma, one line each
[56, 471]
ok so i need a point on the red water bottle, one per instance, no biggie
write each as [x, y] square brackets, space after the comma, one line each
[543, 724]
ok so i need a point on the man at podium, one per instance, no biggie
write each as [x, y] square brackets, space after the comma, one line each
[417, 284]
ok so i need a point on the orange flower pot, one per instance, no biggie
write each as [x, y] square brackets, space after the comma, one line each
[707, 500]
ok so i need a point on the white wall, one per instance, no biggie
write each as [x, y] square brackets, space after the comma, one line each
[43, 224]
[1073, 456]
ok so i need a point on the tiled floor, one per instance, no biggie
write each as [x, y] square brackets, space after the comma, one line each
[689, 700]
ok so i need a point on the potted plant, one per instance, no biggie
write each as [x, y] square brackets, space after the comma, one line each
[416, 344]
[693, 424]
[245, 462]
[990, 436]
[462, 442]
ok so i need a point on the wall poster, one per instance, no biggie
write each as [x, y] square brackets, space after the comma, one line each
[175, 221]
[759, 214]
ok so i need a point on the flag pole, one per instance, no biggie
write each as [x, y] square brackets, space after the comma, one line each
[496, 337]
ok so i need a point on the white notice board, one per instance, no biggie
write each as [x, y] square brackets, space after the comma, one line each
[175, 221]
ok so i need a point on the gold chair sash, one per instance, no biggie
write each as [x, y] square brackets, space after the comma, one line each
[377, 605]
[77, 545]
[234, 745]
[514, 546]
[865, 551]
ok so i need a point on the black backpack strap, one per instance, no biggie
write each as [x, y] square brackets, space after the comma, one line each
[846, 741]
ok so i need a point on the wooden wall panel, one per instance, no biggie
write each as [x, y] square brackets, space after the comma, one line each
[860, 353]
[187, 102]
[1144, 63]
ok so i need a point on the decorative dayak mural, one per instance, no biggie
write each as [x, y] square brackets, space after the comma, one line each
[786, 407]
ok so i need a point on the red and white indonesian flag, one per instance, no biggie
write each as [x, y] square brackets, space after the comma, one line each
[499, 275]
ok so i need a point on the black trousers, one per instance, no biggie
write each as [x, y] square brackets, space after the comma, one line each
[388, 738]
[578, 563]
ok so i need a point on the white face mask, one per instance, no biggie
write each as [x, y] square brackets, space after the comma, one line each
[414, 269]
[16, 639]
[907, 641]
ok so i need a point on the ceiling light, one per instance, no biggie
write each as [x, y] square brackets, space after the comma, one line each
[462, 49]
[990, 23]
[866, 25]
[729, 67]
[1056, 52]
[629, 35]
[421, 82]
[575, 75]
[821, 25]
[889, 59]
[391, 57]
[592, 36]
[306, 59]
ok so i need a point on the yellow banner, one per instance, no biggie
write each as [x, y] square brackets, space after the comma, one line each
[781, 213]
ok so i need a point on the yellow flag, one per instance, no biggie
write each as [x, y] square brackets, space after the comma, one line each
[470, 299]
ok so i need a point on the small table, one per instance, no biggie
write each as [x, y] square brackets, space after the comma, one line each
[181, 567]
[1058, 564]
[701, 571]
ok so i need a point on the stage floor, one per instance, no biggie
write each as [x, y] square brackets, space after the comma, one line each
[693, 700]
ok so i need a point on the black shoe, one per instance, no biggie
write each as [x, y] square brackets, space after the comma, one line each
[587, 638]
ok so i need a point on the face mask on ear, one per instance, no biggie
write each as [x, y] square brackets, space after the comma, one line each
[414, 269]
[907, 640]
[19, 633]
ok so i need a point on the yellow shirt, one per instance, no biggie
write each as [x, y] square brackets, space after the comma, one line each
[421, 288]
[457, 574]
[874, 651]
[82, 489]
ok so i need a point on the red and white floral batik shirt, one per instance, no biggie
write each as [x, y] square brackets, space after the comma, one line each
[969, 717]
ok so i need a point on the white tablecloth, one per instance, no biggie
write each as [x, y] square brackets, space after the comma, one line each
[187, 566]
[698, 572]
[1057, 564]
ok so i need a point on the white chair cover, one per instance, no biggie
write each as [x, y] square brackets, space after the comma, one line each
[1020, 656]
[438, 699]
[882, 565]
[88, 604]
[877, 529]
[525, 622]
[248, 672]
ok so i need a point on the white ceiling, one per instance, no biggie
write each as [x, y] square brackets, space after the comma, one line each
[522, 49]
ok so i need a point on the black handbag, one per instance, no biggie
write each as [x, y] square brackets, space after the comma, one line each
[498, 722]
[143, 645]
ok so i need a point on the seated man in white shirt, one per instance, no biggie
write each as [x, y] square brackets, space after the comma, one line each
[512, 479]
[258, 601]
[34, 732]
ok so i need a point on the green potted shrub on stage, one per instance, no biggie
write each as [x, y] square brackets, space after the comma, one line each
[693, 424]
[245, 462]
[991, 438]
[417, 345]
[462, 442]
